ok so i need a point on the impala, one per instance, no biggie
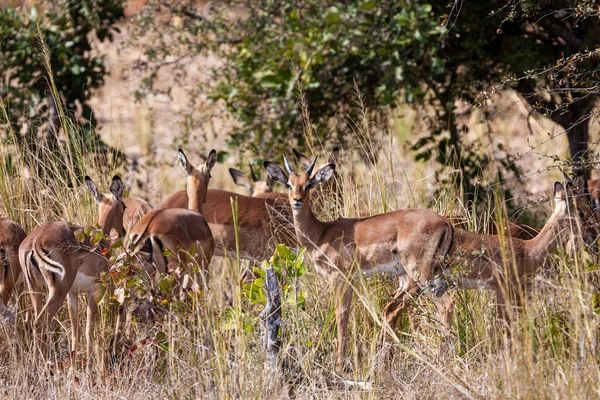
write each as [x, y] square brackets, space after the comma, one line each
[51, 255]
[255, 186]
[11, 236]
[329, 194]
[135, 208]
[411, 242]
[179, 229]
[504, 264]
[261, 222]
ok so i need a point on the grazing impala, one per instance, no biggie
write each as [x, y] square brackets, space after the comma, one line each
[51, 255]
[403, 242]
[255, 186]
[503, 265]
[179, 229]
[11, 236]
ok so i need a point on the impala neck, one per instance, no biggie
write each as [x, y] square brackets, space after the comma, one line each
[308, 227]
[555, 234]
[196, 191]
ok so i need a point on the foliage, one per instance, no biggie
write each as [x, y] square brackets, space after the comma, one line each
[330, 50]
[289, 267]
[41, 54]
[544, 50]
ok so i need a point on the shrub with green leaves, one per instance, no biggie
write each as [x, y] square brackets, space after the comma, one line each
[66, 61]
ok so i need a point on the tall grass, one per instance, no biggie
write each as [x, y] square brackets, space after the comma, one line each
[210, 346]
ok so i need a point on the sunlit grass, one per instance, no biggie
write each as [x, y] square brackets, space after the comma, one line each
[211, 347]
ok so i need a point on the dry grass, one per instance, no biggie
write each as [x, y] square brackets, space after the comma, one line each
[209, 347]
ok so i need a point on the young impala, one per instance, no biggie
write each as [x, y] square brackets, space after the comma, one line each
[11, 236]
[51, 255]
[179, 229]
[411, 241]
[488, 262]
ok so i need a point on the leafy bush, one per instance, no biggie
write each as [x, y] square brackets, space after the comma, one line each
[49, 57]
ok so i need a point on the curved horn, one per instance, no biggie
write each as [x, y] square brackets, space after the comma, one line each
[287, 165]
[567, 179]
[310, 168]
[252, 174]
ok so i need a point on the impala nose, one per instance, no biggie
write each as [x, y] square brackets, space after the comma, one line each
[297, 203]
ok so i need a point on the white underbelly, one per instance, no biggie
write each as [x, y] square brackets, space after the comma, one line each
[83, 283]
[392, 268]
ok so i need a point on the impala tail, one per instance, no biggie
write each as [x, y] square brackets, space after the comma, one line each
[44, 261]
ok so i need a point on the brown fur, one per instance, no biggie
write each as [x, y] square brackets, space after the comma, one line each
[504, 265]
[11, 236]
[181, 229]
[407, 242]
[51, 255]
[260, 220]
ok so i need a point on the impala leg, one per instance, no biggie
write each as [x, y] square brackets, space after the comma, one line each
[73, 306]
[401, 301]
[53, 304]
[444, 312]
[343, 295]
[92, 311]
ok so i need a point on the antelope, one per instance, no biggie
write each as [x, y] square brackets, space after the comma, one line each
[512, 229]
[408, 242]
[135, 208]
[504, 264]
[256, 187]
[328, 192]
[51, 255]
[179, 229]
[11, 236]
[260, 222]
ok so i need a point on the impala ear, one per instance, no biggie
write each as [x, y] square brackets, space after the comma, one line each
[116, 187]
[303, 159]
[240, 179]
[185, 164]
[93, 189]
[322, 175]
[596, 203]
[211, 160]
[275, 172]
[270, 182]
[560, 192]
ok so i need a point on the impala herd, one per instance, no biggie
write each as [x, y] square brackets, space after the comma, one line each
[424, 250]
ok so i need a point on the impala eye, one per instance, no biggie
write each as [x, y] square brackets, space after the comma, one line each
[581, 214]
[287, 185]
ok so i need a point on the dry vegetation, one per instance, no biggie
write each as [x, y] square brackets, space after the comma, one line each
[210, 346]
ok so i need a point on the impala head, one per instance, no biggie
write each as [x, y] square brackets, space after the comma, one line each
[197, 176]
[254, 186]
[110, 206]
[299, 185]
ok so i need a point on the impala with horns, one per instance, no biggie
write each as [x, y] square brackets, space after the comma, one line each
[329, 192]
[11, 236]
[52, 256]
[411, 241]
[255, 186]
[182, 230]
[505, 264]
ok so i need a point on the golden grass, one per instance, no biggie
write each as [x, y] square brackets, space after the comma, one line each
[209, 347]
